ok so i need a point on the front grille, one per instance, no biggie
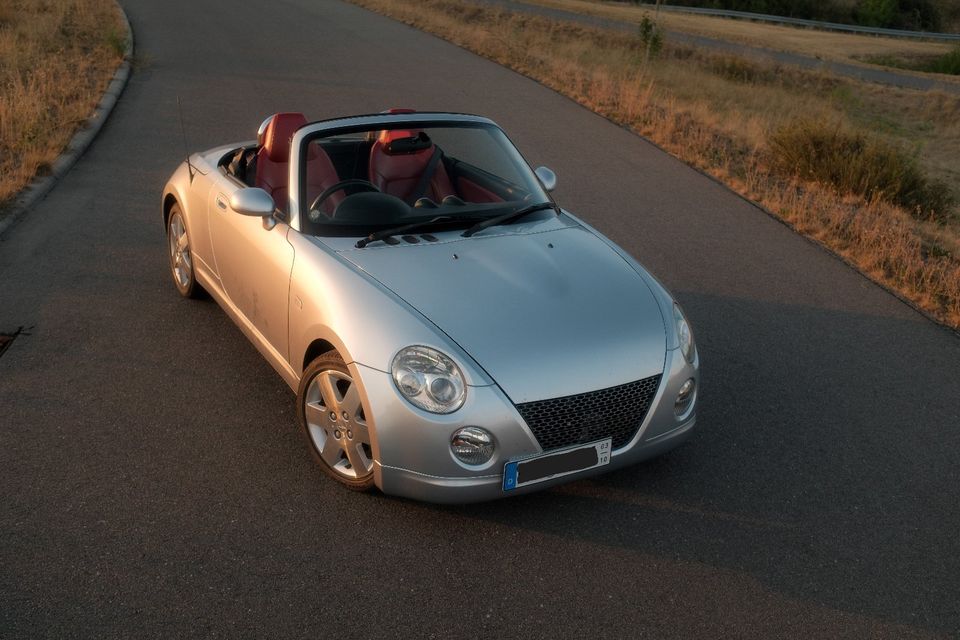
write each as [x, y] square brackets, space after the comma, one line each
[615, 413]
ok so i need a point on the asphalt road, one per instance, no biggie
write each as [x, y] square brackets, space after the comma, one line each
[864, 73]
[154, 484]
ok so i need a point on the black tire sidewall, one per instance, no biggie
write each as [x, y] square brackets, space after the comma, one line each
[192, 288]
[330, 361]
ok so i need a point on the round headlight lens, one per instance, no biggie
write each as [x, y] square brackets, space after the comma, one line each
[684, 335]
[429, 379]
[411, 383]
[442, 390]
[472, 445]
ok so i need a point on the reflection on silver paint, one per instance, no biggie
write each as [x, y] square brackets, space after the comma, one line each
[547, 178]
[262, 129]
[542, 308]
[525, 303]
[249, 202]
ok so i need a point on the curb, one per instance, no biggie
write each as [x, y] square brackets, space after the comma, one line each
[37, 190]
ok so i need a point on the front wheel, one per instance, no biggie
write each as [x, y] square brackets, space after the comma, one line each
[330, 412]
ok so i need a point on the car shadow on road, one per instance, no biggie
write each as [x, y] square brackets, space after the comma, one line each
[827, 473]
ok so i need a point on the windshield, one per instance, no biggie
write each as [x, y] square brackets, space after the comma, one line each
[454, 173]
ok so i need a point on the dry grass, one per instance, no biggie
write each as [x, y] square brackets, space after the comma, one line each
[56, 58]
[825, 45]
[719, 113]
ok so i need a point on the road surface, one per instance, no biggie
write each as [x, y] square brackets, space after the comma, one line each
[154, 484]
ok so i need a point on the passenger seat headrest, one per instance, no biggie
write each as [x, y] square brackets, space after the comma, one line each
[279, 132]
[407, 144]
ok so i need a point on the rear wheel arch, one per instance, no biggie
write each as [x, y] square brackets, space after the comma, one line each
[168, 201]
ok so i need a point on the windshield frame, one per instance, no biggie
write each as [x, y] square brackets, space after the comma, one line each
[357, 124]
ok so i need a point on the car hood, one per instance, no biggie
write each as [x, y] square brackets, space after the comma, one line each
[546, 314]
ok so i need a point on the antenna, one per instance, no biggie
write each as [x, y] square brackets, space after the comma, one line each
[183, 132]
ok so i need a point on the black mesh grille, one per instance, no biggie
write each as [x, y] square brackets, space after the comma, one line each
[615, 413]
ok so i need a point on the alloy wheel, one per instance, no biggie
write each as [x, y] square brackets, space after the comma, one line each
[181, 262]
[337, 425]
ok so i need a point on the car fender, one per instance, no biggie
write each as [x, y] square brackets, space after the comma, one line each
[332, 300]
[191, 195]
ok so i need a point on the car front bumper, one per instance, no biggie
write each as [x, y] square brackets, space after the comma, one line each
[445, 490]
[412, 448]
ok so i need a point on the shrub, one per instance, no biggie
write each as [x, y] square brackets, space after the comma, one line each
[651, 36]
[921, 15]
[949, 63]
[877, 13]
[950, 13]
[852, 162]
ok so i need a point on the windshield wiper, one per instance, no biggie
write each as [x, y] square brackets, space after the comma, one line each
[386, 233]
[508, 217]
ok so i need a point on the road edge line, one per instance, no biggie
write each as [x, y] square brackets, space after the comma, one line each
[39, 187]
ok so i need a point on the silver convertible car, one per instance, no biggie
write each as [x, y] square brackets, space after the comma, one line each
[452, 334]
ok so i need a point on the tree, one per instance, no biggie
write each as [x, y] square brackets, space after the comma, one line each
[878, 13]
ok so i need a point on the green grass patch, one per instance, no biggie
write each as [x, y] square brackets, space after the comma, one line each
[115, 41]
[949, 63]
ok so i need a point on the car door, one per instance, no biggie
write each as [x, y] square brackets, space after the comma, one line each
[254, 261]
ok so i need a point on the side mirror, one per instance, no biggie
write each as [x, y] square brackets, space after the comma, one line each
[547, 178]
[252, 201]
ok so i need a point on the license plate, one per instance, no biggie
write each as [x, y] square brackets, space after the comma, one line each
[519, 473]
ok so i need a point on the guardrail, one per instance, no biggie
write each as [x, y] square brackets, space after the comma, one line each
[830, 26]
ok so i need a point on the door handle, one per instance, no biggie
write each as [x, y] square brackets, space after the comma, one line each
[221, 202]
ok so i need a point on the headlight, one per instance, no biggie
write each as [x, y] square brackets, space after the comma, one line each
[429, 379]
[684, 335]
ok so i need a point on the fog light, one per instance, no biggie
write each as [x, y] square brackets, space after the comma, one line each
[472, 445]
[685, 398]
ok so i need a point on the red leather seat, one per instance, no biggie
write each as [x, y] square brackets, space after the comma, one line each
[273, 162]
[399, 173]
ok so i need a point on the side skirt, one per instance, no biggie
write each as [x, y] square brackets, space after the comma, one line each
[277, 361]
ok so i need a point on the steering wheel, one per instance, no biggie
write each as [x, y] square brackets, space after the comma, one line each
[343, 184]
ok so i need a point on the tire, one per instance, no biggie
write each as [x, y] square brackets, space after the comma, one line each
[181, 256]
[332, 417]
